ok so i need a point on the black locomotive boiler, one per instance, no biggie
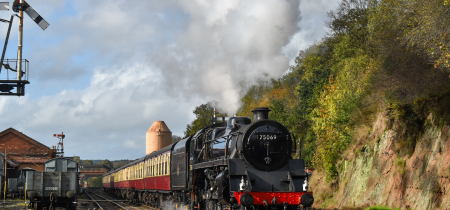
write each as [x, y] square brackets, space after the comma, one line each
[235, 165]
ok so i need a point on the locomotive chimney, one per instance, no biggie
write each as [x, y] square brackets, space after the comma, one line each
[261, 113]
[158, 136]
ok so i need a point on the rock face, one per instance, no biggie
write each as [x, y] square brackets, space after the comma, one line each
[374, 174]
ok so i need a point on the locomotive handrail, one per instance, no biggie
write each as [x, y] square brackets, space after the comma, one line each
[226, 146]
[295, 145]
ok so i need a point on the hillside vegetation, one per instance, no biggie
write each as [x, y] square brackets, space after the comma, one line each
[387, 56]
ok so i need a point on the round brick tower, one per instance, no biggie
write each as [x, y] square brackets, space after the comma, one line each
[158, 136]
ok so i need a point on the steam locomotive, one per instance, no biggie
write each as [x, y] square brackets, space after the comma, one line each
[235, 165]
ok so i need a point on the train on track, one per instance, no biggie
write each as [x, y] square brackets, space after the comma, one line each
[239, 164]
[57, 186]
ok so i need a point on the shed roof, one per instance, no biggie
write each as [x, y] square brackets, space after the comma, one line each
[2, 155]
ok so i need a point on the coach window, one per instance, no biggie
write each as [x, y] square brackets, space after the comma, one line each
[165, 165]
[168, 164]
[165, 168]
[153, 167]
[160, 165]
[157, 167]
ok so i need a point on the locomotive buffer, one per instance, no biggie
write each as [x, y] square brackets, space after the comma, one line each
[21, 65]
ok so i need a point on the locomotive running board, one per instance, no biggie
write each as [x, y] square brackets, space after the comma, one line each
[218, 162]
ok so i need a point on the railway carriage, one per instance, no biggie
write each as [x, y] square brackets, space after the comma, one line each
[235, 165]
[57, 186]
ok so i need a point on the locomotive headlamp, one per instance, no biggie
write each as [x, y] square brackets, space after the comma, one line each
[307, 200]
[246, 199]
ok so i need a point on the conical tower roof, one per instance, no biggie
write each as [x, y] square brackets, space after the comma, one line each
[159, 126]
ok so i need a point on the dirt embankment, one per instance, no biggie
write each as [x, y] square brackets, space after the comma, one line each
[373, 172]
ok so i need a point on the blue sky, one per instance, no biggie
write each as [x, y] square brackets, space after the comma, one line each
[103, 72]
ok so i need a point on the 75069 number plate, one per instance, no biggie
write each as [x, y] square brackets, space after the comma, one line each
[267, 137]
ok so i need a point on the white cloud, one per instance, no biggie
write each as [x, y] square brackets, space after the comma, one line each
[104, 72]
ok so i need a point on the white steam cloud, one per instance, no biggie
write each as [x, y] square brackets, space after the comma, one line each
[227, 46]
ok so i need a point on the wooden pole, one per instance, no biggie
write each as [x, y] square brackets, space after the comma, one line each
[4, 193]
[25, 194]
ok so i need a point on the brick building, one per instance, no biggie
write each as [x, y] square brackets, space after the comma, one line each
[24, 151]
[93, 170]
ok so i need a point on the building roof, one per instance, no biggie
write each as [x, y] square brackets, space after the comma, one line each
[159, 126]
[2, 155]
[25, 137]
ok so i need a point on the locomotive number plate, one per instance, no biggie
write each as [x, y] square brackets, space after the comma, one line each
[267, 137]
[51, 188]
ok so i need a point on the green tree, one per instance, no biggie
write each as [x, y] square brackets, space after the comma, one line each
[176, 138]
[95, 182]
[77, 159]
[108, 164]
[203, 115]
[118, 164]
[88, 162]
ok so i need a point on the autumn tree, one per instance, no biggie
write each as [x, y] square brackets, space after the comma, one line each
[108, 164]
[87, 162]
[203, 116]
[95, 182]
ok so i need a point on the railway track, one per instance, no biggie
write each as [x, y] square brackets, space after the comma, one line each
[101, 201]
[105, 203]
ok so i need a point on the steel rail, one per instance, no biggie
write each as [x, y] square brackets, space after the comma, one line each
[94, 200]
[105, 200]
